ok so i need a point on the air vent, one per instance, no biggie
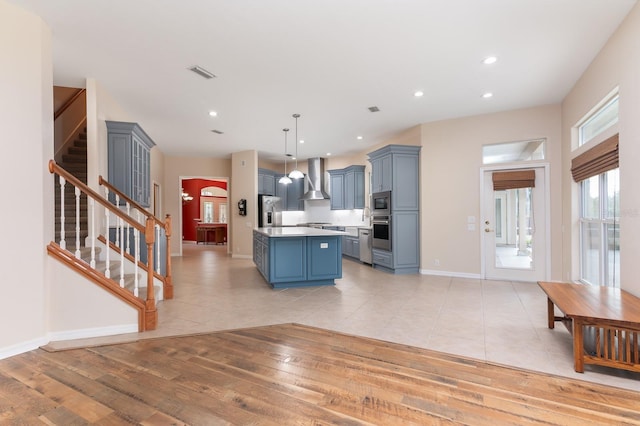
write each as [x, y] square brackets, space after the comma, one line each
[217, 132]
[374, 109]
[202, 72]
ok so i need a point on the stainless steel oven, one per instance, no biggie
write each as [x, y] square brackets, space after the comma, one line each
[381, 203]
[381, 230]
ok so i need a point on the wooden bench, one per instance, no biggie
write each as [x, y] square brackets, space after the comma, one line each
[611, 315]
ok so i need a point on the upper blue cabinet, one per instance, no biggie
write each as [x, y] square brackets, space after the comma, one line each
[396, 168]
[347, 188]
[129, 158]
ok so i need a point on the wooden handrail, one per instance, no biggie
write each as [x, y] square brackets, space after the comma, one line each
[54, 168]
[103, 182]
[67, 104]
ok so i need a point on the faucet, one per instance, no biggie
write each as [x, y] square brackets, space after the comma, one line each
[363, 210]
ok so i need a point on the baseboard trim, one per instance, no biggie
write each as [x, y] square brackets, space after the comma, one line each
[22, 347]
[241, 256]
[450, 274]
[85, 333]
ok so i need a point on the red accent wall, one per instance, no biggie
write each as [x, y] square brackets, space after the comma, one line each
[191, 209]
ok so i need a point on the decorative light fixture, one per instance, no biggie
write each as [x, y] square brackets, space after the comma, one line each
[285, 179]
[295, 173]
[185, 196]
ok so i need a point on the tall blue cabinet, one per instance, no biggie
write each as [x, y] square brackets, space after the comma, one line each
[396, 168]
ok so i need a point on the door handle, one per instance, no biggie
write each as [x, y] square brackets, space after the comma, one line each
[488, 230]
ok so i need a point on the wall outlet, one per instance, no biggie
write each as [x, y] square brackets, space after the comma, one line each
[436, 262]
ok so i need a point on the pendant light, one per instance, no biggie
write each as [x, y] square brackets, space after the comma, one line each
[285, 179]
[295, 173]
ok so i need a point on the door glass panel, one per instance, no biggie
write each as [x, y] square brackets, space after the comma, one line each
[514, 250]
[591, 252]
[591, 198]
[498, 218]
[612, 248]
[208, 212]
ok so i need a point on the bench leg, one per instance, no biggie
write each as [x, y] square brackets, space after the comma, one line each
[578, 346]
[550, 313]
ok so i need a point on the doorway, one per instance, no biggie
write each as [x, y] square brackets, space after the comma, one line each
[515, 217]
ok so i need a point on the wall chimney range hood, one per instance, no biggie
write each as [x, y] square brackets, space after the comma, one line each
[315, 177]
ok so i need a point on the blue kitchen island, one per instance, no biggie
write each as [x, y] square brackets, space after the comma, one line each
[298, 256]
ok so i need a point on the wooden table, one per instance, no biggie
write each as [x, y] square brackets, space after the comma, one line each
[211, 233]
[612, 313]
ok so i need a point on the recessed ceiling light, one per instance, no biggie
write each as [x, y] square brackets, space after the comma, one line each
[359, 138]
[487, 95]
[419, 94]
[202, 72]
[328, 154]
[213, 113]
[301, 140]
[489, 60]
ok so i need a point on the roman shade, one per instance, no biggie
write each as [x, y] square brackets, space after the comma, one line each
[599, 159]
[514, 179]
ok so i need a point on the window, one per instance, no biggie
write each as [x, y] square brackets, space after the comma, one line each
[598, 122]
[600, 229]
[513, 151]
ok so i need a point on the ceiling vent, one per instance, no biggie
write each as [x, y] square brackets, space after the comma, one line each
[202, 72]
[374, 109]
[218, 132]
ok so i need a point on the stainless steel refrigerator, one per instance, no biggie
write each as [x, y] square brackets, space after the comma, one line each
[269, 211]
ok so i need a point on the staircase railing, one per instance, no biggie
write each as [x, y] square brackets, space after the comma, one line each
[147, 312]
[136, 212]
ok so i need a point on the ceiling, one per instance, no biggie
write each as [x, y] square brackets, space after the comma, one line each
[327, 60]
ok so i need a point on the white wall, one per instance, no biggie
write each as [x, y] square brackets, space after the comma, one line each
[244, 176]
[26, 114]
[618, 64]
[451, 158]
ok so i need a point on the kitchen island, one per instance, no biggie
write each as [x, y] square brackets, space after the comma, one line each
[298, 256]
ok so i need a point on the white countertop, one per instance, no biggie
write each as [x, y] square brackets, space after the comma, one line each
[297, 231]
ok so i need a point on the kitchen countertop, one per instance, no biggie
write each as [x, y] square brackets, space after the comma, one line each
[298, 231]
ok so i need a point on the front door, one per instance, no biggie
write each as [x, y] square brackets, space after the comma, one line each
[514, 230]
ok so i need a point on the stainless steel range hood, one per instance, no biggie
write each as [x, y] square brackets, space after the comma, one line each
[315, 177]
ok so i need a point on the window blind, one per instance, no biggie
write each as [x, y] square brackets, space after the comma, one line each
[514, 179]
[599, 159]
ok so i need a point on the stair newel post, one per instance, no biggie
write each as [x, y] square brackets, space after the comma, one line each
[77, 193]
[107, 271]
[92, 207]
[168, 291]
[63, 243]
[121, 230]
[151, 317]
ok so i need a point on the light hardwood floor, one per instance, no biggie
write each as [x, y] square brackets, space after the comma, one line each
[496, 321]
[291, 374]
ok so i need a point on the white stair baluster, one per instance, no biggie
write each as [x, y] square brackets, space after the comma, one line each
[92, 208]
[77, 223]
[118, 231]
[157, 244]
[136, 234]
[107, 272]
[121, 230]
[63, 243]
[128, 229]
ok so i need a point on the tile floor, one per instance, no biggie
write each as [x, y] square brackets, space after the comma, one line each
[499, 321]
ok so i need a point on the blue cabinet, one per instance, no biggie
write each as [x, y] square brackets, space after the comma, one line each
[290, 194]
[351, 246]
[298, 261]
[396, 168]
[129, 161]
[347, 188]
[266, 182]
